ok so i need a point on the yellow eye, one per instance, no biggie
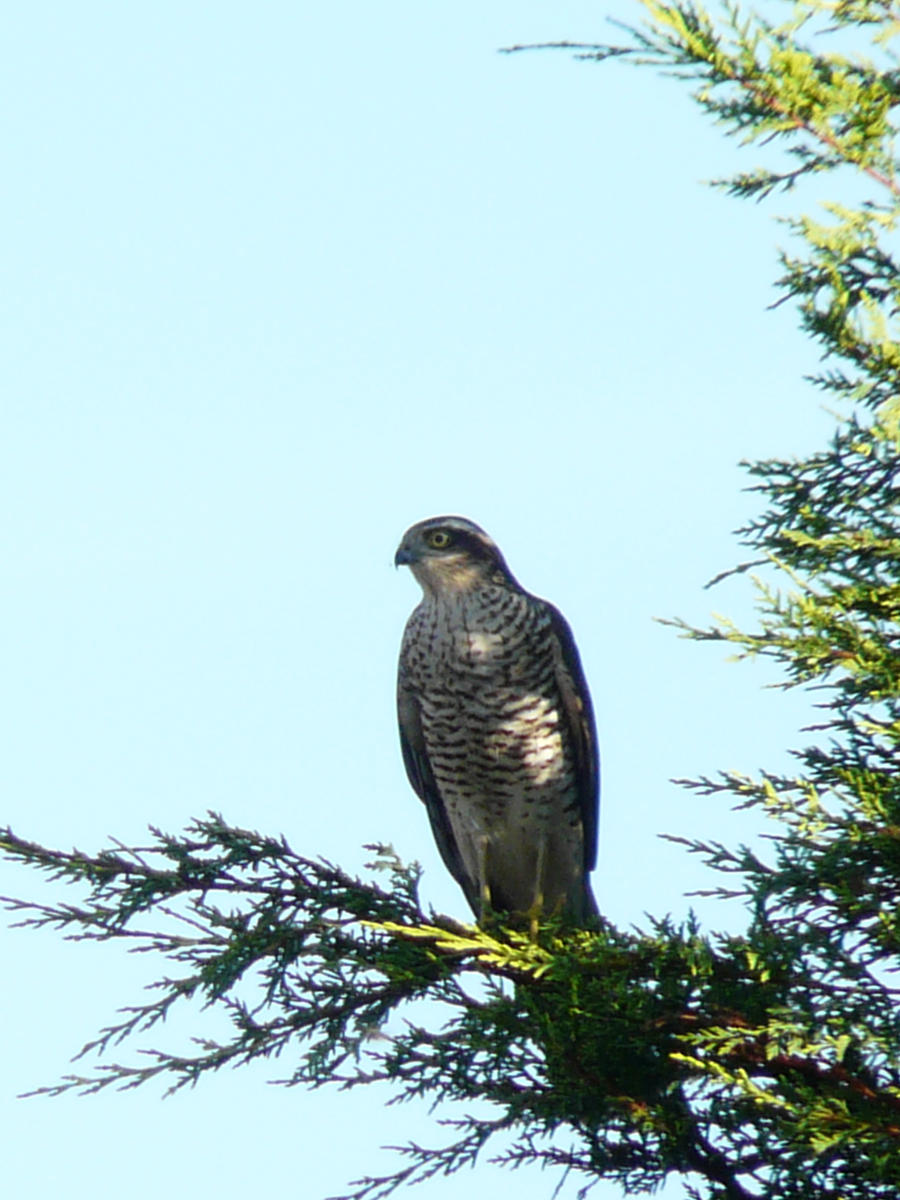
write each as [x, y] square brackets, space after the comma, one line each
[438, 539]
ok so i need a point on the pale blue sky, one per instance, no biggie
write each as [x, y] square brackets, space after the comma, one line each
[279, 280]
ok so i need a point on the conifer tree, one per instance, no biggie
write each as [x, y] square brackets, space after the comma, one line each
[760, 1065]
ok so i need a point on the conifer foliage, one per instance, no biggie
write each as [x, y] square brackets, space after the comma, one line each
[764, 1065]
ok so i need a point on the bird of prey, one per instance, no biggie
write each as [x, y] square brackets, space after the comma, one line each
[497, 728]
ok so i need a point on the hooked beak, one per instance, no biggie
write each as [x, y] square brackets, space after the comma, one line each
[404, 557]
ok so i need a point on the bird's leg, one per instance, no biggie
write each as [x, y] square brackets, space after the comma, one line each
[537, 902]
[484, 886]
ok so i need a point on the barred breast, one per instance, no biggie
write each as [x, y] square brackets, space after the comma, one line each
[483, 666]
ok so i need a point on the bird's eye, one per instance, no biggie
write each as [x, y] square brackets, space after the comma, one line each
[438, 539]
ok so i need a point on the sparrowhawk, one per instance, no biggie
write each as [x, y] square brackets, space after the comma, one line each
[497, 728]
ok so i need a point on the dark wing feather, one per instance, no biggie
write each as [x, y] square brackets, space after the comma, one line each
[582, 728]
[421, 776]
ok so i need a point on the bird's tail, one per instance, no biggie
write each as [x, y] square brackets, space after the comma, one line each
[587, 908]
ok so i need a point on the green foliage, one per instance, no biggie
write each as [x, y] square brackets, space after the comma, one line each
[761, 1066]
[613, 1035]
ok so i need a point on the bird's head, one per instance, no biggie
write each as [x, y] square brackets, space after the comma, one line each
[450, 555]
